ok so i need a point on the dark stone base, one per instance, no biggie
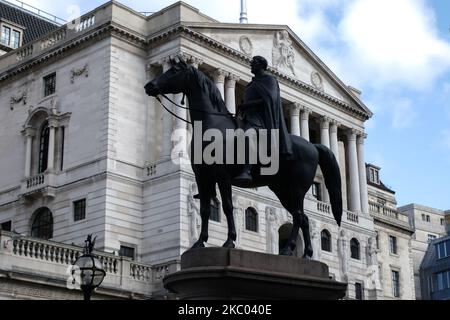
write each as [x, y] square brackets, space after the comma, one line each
[224, 274]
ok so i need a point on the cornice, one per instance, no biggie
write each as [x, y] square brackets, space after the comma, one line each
[107, 28]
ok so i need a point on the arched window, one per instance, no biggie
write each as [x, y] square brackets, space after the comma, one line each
[354, 249]
[215, 211]
[43, 147]
[326, 240]
[251, 220]
[42, 226]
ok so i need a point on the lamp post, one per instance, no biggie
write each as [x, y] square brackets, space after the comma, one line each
[88, 269]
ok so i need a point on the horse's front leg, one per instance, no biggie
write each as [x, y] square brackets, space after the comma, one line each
[227, 205]
[205, 212]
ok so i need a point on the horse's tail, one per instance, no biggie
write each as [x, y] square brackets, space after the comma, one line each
[332, 174]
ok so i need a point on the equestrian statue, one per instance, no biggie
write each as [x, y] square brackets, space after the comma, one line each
[261, 110]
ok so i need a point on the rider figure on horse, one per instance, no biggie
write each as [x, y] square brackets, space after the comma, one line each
[263, 109]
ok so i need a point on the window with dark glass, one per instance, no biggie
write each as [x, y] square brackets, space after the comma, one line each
[428, 218]
[6, 226]
[49, 84]
[326, 240]
[354, 249]
[393, 244]
[215, 212]
[316, 192]
[443, 280]
[79, 210]
[359, 291]
[6, 35]
[43, 148]
[423, 218]
[443, 249]
[15, 39]
[395, 284]
[42, 226]
[442, 222]
[127, 252]
[251, 220]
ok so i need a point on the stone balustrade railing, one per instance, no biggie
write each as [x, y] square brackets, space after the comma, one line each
[35, 181]
[65, 33]
[323, 207]
[351, 216]
[52, 260]
[387, 212]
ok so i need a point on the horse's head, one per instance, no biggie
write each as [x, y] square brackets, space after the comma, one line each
[172, 81]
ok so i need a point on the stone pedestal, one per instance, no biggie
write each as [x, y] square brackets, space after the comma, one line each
[224, 274]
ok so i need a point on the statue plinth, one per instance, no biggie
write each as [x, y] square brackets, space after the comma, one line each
[229, 274]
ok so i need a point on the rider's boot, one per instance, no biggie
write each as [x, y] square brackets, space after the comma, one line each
[245, 177]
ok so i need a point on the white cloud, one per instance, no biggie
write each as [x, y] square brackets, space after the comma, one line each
[404, 114]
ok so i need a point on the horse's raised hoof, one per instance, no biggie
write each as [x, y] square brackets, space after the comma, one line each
[198, 245]
[229, 244]
[287, 252]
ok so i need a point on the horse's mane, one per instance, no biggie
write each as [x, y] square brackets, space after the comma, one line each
[214, 94]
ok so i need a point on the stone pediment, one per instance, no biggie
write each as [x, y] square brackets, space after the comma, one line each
[286, 53]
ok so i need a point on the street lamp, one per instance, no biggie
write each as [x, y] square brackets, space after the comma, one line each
[88, 269]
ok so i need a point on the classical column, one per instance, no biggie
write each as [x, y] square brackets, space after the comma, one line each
[295, 119]
[30, 133]
[362, 173]
[325, 131]
[219, 80]
[167, 118]
[354, 192]
[304, 119]
[230, 92]
[334, 142]
[51, 145]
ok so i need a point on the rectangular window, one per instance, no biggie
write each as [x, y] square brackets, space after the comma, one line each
[6, 226]
[428, 218]
[6, 36]
[377, 238]
[424, 218]
[442, 222]
[442, 281]
[395, 284]
[359, 295]
[393, 244]
[442, 250]
[15, 39]
[127, 252]
[79, 210]
[316, 191]
[50, 84]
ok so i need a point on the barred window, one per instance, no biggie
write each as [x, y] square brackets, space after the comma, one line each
[79, 210]
[43, 148]
[127, 252]
[354, 249]
[49, 84]
[326, 240]
[251, 220]
[42, 226]
[396, 284]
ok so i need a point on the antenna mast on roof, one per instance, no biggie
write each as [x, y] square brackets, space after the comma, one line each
[243, 18]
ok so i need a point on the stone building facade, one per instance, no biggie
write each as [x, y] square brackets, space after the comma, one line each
[428, 224]
[86, 151]
[392, 245]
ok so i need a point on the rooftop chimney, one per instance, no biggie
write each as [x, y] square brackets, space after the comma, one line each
[243, 18]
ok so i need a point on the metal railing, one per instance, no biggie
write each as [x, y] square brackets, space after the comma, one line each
[41, 13]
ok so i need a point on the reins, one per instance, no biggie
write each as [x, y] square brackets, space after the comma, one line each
[186, 108]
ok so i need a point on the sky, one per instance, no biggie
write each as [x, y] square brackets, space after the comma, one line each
[396, 52]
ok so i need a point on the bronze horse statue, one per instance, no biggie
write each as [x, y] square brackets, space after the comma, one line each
[293, 180]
